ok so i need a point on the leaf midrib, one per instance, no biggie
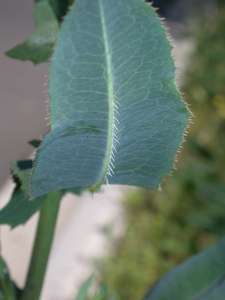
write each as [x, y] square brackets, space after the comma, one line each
[107, 168]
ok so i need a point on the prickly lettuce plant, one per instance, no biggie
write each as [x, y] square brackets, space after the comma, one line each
[115, 112]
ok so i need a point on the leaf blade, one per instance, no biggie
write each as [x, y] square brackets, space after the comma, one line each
[215, 291]
[106, 72]
[190, 279]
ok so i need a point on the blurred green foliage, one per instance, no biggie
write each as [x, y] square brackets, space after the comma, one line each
[92, 289]
[167, 226]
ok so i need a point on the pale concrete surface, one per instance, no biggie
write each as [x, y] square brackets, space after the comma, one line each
[181, 52]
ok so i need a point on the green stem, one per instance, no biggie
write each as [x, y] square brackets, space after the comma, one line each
[42, 246]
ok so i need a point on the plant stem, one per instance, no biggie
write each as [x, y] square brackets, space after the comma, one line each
[42, 246]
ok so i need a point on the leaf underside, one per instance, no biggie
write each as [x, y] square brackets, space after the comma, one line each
[201, 277]
[215, 292]
[116, 114]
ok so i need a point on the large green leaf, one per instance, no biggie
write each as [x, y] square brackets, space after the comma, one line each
[39, 46]
[194, 278]
[116, 115]
[214, 292]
